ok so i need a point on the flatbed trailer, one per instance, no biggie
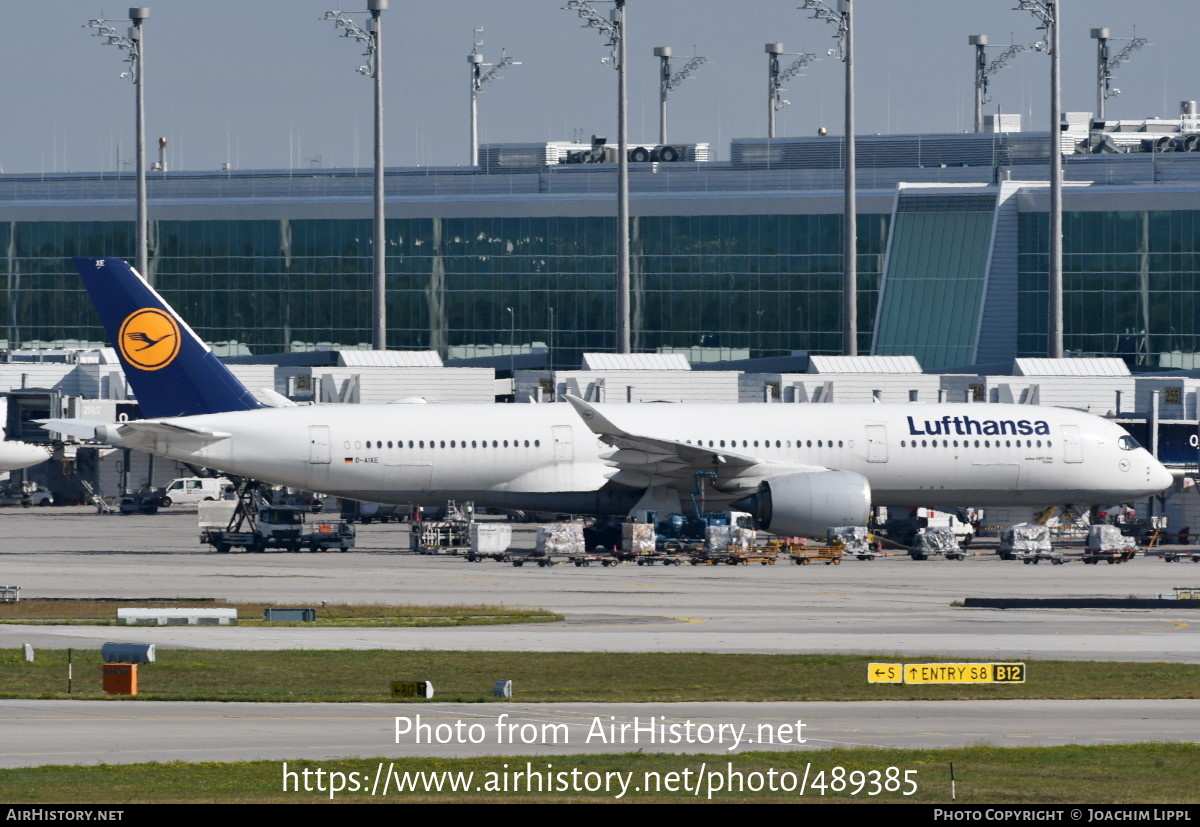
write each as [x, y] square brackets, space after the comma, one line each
[1113, 556]
[1055, 556]
[734, 555]
[658, 557]
[480, 556]
[1179, 556]
[806, 555]
[519, 559]
[583, 560]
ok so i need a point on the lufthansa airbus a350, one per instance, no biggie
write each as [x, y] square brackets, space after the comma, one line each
[799, 468]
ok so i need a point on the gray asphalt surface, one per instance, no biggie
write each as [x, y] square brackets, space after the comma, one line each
[890, 606]
[90, 732]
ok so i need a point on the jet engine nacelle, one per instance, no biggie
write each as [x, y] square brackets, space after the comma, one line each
[807, 504]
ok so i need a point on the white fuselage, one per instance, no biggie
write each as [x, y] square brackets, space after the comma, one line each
[16, 455]
[545, 457]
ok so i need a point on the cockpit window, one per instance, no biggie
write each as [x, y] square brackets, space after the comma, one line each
[1128, 443]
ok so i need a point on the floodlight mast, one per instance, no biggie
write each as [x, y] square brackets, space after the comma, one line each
[669, 82]
[480, 79]
[776, 76]
[614, 29]
[843, 21]
[1049, 13]
[1106, 65]
[135, 45]
[984, 70]
[372, 40]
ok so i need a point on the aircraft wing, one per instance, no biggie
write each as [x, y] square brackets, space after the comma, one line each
[143, 434]
[661, 461]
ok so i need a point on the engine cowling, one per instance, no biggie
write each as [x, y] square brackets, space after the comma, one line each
[808, 504]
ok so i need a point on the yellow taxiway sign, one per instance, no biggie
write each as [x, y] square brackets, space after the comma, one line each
[945, 673]
[885, 673]
[964, 673]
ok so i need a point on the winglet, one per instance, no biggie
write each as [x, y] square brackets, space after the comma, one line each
[172, 372]
[596, 421]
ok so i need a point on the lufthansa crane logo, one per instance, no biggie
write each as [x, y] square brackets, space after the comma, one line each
[149, 339]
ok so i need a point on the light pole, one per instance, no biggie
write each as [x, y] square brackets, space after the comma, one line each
[372, 40]
[614, 29]
[1049, 13]
[984, 70]
[1106, 65]
[843, 20]
[480, 79]
[668, 82]
[134, 43]
[776, 77]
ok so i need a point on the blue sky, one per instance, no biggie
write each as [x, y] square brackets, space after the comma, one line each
[269, 84]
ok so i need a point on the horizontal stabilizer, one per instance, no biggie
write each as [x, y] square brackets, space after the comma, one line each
[144, 434]
[79, 428]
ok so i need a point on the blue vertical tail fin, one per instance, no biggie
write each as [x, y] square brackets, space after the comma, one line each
[171, 371]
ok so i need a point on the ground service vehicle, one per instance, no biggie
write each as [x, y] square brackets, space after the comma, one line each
[227, 525]
[194, 490]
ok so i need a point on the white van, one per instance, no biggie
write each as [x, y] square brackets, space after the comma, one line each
[195, 490]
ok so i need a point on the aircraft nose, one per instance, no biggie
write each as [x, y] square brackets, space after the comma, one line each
[1160, 478]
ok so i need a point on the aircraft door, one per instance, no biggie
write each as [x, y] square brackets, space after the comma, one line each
[318, 444]
[1072, 446]
[877, 443]
[564, 446]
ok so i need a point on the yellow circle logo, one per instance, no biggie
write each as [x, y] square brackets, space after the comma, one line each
[149, 339]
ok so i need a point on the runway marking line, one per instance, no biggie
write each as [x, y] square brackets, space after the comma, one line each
[1173, 626]
[612, 625]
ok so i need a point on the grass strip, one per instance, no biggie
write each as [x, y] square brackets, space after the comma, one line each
[344, 676]
[104, 613]
[1097, 775]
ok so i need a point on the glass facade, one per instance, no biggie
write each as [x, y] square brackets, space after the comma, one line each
[933, 290]
[1130, 285]
[769, 284]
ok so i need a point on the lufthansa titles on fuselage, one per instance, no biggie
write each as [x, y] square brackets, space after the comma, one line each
[967, 426]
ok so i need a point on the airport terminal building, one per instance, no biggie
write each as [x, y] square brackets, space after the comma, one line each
[732, 260]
